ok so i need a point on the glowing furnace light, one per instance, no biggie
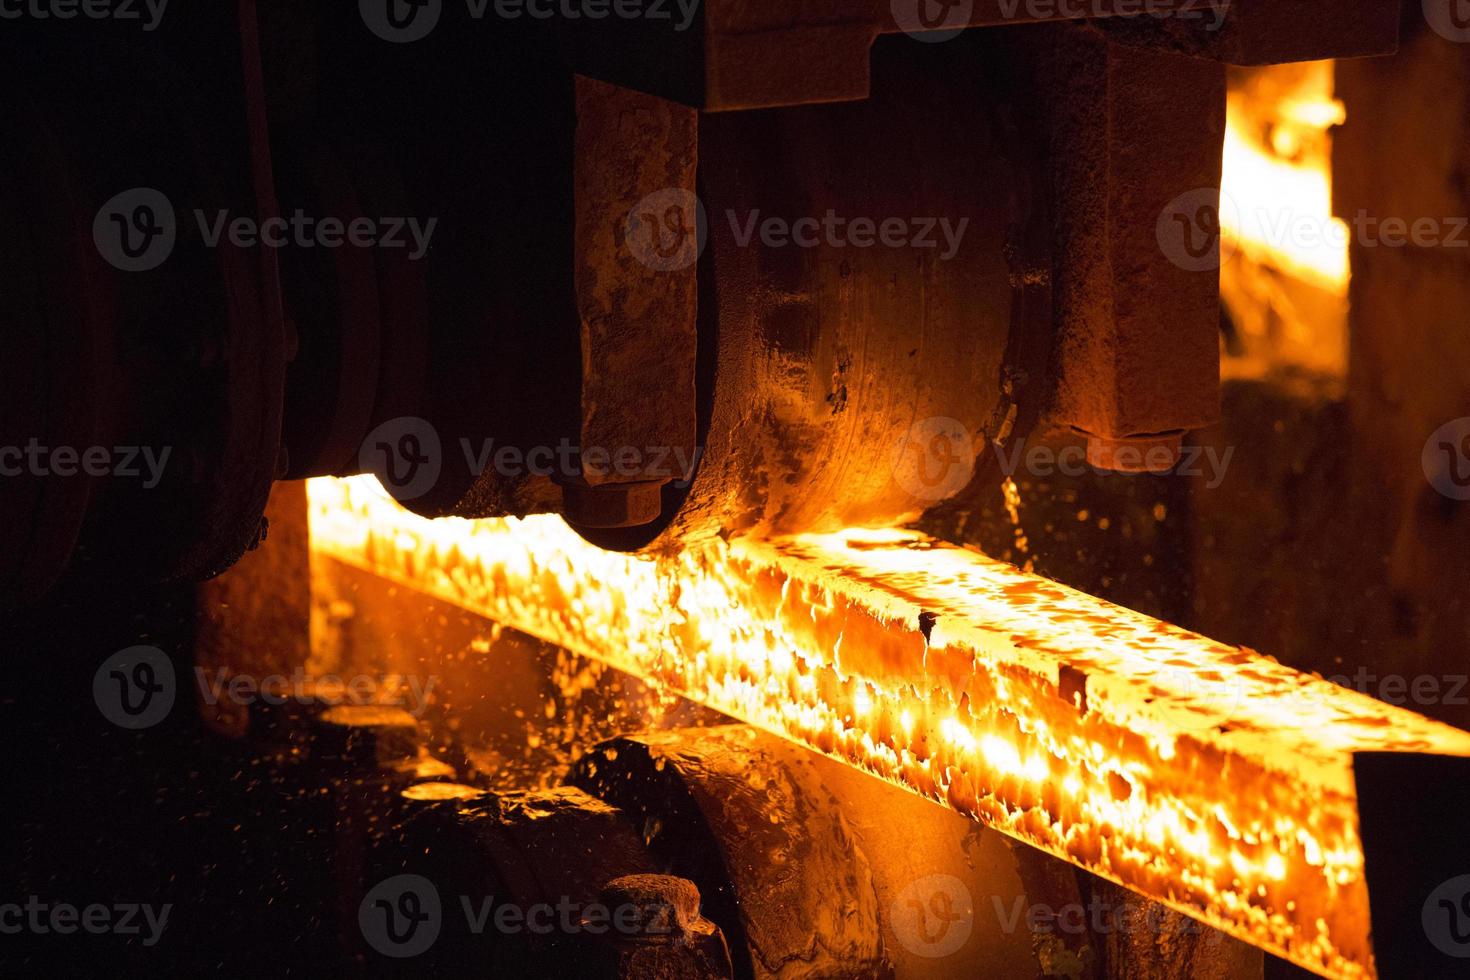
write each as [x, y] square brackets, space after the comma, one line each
[1277, 190]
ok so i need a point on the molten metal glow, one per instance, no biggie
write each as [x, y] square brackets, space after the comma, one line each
[1201, 775]
[1277, 186]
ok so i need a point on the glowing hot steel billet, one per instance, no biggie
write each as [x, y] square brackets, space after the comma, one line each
[1198, 774]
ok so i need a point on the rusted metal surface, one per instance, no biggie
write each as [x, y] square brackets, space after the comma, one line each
[1141, 940]
[669, 939]
[813, 869]
[611, 505]
[637, 296]
[785, 879]
[554, 850]
[837, 363]
[761, 54]
[1269, 32]
[1137, 357]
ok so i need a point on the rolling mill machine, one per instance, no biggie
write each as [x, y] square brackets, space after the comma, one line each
[578, 417]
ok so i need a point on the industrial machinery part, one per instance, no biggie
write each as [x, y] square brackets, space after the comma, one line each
[585, 283]
[174, 372]
[1202, 775]
[773, 863]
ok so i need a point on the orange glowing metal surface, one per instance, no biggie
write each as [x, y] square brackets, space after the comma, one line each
[1201, 775]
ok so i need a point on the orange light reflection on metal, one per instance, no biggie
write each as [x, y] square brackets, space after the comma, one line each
[1201, 775]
